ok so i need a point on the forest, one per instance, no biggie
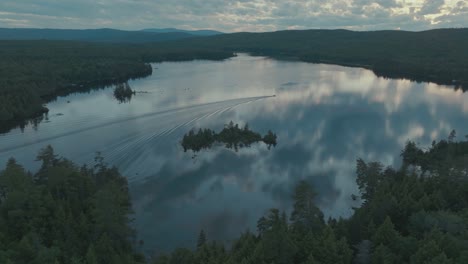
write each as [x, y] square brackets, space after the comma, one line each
[232, 136]
[438, 55]
[417, 213]
[35, 72]
[65, 214]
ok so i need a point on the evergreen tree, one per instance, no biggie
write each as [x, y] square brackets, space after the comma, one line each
[328, 249]
[386, 234]
[275, 243]
[63, 212]
[201, 239]
[368, 178]
[306, 216]
[428, 250]
[383, 255]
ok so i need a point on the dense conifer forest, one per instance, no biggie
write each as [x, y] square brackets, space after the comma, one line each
[417, 213]
[65, 214]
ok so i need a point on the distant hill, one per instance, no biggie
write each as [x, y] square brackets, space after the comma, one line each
[91, 35]
[192, 32]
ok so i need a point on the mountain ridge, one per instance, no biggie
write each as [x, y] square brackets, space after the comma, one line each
[91, 35]
[201, 32]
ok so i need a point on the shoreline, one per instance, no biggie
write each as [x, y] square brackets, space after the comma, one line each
[86, 86]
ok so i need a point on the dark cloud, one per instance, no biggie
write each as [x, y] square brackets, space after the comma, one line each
[432, 7]
[228, 15]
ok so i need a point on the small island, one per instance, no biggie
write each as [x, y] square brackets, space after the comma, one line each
[123, 93]
[232, 136]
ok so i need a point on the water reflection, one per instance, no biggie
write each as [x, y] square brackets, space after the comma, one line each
[325, 117]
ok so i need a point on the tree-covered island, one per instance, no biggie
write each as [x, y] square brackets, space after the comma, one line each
[123, 92]
[232, 136]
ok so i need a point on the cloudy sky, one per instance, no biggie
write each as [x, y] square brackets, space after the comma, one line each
[231, 16]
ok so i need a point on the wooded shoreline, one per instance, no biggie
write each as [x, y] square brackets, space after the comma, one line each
[34, 72]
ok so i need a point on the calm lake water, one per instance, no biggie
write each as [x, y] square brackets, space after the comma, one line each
[325, 117]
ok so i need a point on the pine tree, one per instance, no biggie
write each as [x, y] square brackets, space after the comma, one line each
[275, 243]
[91, 257]
[386, 234]
[383, 255]
[428, 250]
[201, 239]
[329, 250]
[306, 216]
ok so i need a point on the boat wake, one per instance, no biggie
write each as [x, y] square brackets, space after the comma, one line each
[123, 140]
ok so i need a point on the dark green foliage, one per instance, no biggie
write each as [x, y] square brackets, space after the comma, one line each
[211, 253]
[327, 249]
[383, 255]
[243, 249]
[368, 177]
[182, 256]
[307, 220]
[275, 242]
[201, 239]
[64, 214]
[231, 136]
[386, 235]
[270, 139]
[204, 139]
[444, 157]
[234, 137]
[306, 216]
[420, 210]
[123, 92]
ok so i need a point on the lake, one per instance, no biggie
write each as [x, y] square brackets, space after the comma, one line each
[325, 116]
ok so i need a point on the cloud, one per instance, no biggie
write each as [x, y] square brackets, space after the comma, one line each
[229, 15]
[432, 7]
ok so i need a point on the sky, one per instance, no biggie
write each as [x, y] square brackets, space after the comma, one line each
[235, 16]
